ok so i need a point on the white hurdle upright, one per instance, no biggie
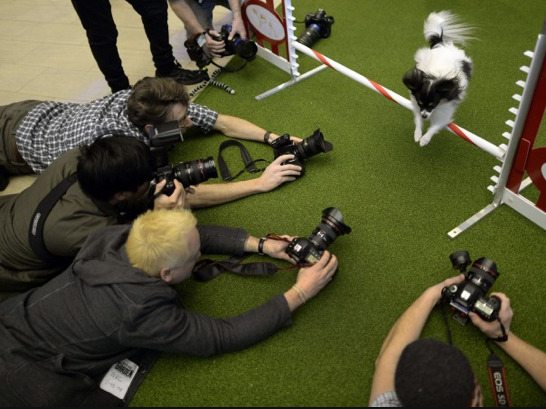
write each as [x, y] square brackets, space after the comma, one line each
[468, 136]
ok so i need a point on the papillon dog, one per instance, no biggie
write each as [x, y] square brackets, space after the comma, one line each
[438, 82]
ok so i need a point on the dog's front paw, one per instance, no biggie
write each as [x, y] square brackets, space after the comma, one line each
[425, 139]
[417, 135]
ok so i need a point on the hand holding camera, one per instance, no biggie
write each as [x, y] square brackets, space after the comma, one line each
[202, 51]
[312, 279]
[310, 146]
[493, 329]
[469, 296]
[308, 251]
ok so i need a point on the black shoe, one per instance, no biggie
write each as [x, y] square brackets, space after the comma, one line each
[4, 179]
[186, 77]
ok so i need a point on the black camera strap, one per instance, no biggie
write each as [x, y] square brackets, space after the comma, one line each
[497, 374]
[249, 164]
[36, 227]
[207, 269]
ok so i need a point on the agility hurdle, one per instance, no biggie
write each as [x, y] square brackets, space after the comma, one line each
[517, 158]
[521, 157]
[261, 18]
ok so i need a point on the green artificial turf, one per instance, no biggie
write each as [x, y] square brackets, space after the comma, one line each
[400, 200]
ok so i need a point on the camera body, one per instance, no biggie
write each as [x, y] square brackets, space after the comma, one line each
[318, 25]
[310, 146]
[162, 137]
[469, 296]
[244, 48]
[310, 250]
[195, 46]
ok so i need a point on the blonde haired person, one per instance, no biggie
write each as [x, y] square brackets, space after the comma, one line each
[115, 301]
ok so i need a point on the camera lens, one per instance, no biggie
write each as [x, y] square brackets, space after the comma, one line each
[460, 260]
[195, 172]
[313, 145]
[245, 49]
[330, 228]
[310, 37]
[483, 273]
[310, 250]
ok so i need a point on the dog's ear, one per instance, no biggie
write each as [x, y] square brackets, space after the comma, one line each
[413, 79]
[447, 88]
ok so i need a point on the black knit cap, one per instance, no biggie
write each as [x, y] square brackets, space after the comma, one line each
[433, 373]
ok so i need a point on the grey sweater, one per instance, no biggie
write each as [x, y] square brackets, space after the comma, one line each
[58, 339]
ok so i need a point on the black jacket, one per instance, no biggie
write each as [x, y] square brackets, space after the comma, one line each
[57, 340]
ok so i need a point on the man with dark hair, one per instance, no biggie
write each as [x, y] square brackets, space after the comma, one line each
[113, 180]
[428, 373]
[35, 133]
[116, 301]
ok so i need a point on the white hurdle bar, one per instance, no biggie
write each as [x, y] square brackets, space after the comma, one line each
[393, 96]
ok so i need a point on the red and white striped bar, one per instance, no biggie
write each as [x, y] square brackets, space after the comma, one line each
[393, 96]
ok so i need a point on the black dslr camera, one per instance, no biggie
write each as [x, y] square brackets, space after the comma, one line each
[190, 173]
[310, 146]
[245, 49]
[318, 25]
[310, 250]
[469, 296]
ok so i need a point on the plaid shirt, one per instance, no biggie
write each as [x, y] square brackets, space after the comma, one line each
[52, 128]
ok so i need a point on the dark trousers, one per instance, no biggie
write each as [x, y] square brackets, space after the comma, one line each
[10, 117]
[98, 22]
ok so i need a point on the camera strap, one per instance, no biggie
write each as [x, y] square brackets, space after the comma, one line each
[497, 374]
[37, 222]
[207, 269]
[249, 164]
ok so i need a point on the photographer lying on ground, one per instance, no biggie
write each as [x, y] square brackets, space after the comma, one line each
[115, 300]
[112, 186]
[417, 372]
[35, 133]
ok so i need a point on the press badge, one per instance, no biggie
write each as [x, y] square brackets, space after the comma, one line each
[118, 379]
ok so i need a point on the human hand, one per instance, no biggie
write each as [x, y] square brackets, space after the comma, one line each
[493, 329]
[277, 248]
[176, 199]
[435, 292]
[276, 173]
[314, 278]
[294, 139]
[215, 47]
[237, 27]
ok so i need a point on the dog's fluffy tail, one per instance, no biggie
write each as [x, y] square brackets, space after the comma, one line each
[446, 27]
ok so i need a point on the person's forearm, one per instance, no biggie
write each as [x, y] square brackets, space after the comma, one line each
[240, 128]
[235, 6]
[185, 13]
[532, 359]
[217, 193]
[409, 326]
[406, 329]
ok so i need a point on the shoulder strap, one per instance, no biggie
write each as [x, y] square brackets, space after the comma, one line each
[249, 163]
[36, 228]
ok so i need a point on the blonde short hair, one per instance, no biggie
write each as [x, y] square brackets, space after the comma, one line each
[158, 239]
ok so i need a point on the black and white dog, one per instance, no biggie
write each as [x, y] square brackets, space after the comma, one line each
[439, 80]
